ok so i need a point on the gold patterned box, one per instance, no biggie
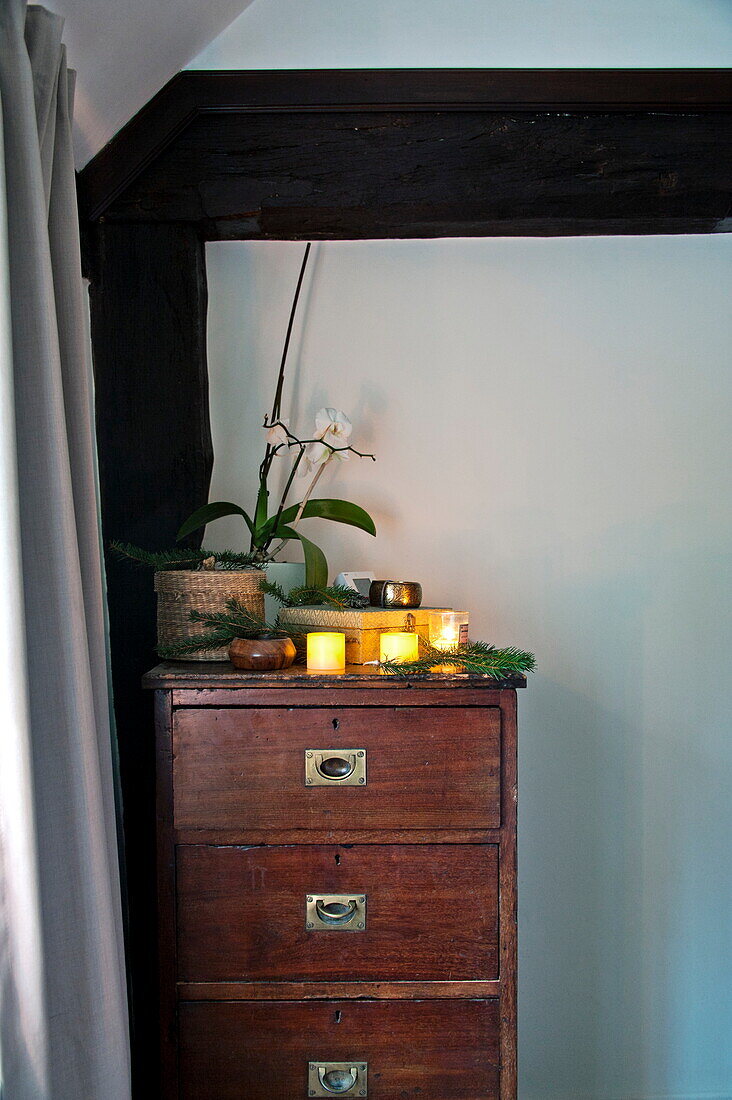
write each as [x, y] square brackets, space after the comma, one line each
[362, 626]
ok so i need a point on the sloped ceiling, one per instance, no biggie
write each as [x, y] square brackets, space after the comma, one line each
[124, 51]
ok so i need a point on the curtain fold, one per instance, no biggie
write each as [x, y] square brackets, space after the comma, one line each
[63, 1016]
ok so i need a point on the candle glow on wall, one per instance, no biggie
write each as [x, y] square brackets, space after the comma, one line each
[326, 651]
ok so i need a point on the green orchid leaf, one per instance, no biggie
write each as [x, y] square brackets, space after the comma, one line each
[210, 512]
[260, 512]
[340, 511]
[316, 566]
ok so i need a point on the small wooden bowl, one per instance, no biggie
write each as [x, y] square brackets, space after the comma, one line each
[262, 654]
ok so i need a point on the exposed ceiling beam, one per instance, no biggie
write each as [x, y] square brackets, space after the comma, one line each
[490, 152]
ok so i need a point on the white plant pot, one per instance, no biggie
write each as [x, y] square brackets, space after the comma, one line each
[288, 575]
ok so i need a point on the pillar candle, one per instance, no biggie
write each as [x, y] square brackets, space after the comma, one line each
[398, 646]
[326, 651]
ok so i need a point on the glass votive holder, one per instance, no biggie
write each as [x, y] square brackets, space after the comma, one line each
[398, 645]
[448, 628]
[326, 651]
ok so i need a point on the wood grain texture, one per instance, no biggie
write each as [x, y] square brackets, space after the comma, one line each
[257, 654]
[429, 1050]
[509, 895]
[336, 834]
[166, 907]
[197, 98]
[409, 693]
[425, 769]
[435, 174]
[148, 306]
[224, 893]
[204, 677]
[324, 991]
[431, 913]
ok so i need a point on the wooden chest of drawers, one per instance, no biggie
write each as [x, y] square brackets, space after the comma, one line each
[337, 885]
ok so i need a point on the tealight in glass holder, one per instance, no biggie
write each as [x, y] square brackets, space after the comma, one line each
[448, 628]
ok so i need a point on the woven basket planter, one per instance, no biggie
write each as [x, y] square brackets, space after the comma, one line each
[181, 591]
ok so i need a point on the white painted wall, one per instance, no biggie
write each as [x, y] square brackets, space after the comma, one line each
[123, 52]
[332, 34]
[551, 419]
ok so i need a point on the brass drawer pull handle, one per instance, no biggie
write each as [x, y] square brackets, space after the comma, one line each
[336, 767]
[337, 1080]
[336, 912]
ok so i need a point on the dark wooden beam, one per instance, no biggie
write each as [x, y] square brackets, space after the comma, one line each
[439, 174]
[148, 314]
[198, 100]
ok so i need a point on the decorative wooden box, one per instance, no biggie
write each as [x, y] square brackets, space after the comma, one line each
[361, 626]
[337, 885]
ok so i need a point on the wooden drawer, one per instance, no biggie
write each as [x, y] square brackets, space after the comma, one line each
[427, 768]
[429, 1050]
[431, 913]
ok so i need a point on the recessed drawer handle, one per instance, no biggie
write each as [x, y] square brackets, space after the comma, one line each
[337, 1080]
[336, 912]
[336, 767]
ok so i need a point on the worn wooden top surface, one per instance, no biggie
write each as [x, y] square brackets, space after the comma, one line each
[220, 674]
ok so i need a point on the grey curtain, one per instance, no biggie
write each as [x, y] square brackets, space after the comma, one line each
[63, 1018]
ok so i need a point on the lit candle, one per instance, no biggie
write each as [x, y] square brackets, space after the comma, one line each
[399, 646]
[326, 651]
[448, 628]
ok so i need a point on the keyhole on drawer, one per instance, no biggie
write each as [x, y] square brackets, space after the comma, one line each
[338, 859]
[338, 1017]
[336, 723]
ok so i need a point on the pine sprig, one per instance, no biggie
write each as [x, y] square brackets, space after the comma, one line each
[276, 591]
[160, 560]
[237, 620]
[223, 626]
[182, 558]
[232, 559]
[474, 658]
[208, 642]
[337, 595]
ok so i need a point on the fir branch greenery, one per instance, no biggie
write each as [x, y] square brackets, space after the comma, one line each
[222, 627]
[474, 658]
[233, 559]
[306, 595]
[276, 591]
[183, 558]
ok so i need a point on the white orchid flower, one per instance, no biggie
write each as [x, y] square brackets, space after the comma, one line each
[333, 426]
[314, 455]
[276, 434]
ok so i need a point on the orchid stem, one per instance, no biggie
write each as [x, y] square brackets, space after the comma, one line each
[294, 441]
[286, 490]
[307, 496]
[281, 377]
[301, 509]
